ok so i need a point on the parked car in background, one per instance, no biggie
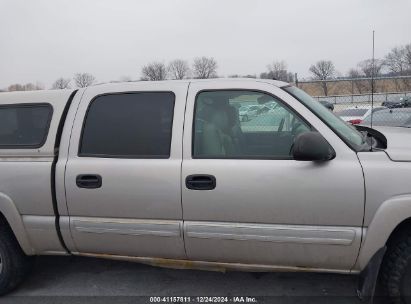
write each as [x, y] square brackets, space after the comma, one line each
[271, 105]
[327, 104]
[249, 111]
[396, 117]
[263, 109]
[355, 115]
[403, 102]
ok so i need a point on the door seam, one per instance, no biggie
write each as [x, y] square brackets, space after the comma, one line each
[363, 214]
[181, 173]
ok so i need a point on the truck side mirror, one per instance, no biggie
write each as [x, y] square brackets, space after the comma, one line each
[312, 146]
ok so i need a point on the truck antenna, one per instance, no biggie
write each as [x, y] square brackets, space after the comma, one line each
[372, 76]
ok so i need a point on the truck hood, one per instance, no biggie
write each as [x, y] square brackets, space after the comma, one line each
[398, 142]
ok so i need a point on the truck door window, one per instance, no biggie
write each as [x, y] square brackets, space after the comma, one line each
[129, 125]
[243, 124]
[24, 126]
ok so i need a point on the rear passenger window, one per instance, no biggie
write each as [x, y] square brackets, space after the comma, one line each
[129, 125]
[24, 126]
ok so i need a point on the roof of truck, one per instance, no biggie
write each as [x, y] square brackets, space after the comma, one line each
[21, 96]
[61, 96]
[276, 83]
[46, 96]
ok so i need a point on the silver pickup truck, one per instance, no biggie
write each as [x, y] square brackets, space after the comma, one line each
[166, 173]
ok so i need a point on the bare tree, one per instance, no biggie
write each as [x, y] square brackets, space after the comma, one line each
[205, 67]
[61, 84]
[242, 76]
[154, 71]
[407, 59]
[323, 70]
[407, 50]
[359, 84]
[83, 80]
[278, 71]
[16, 87]
[395, 60]
[366, 67]
[178, 69]
[396, 63]
[25, 87]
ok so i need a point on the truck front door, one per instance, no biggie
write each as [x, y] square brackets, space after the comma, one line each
[246, 200]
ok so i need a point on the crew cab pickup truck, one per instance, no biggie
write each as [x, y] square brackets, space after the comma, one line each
[166, 173]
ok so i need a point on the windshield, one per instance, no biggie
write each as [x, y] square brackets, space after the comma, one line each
[348, 133]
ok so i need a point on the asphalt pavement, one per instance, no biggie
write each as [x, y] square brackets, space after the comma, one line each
[87, 280]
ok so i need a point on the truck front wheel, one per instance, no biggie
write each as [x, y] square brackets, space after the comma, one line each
[396, 269]
[14, 264]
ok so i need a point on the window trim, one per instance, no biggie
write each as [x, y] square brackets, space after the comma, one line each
[251, 157]
[92, 155]
[47, 129]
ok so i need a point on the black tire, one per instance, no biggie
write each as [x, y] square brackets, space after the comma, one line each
[396, 269]
[15, 265]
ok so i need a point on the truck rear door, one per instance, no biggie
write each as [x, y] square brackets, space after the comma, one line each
[122, 176]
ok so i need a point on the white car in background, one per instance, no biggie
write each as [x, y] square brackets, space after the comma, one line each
[248, 111]
[355, 115]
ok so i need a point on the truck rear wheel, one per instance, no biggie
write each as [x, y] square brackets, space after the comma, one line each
[396, 269]
[14, 264]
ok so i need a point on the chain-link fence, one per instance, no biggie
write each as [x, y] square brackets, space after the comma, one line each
[388, 109]
[351, 99]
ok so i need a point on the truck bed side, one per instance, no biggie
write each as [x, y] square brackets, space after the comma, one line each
[27, 200]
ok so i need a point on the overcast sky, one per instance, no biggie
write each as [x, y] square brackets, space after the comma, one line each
[45, 39]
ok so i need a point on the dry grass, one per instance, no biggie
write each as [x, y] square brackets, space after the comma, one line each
[348, 87]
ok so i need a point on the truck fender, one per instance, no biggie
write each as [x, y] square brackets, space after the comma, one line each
[388, 216]
[13, 217]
